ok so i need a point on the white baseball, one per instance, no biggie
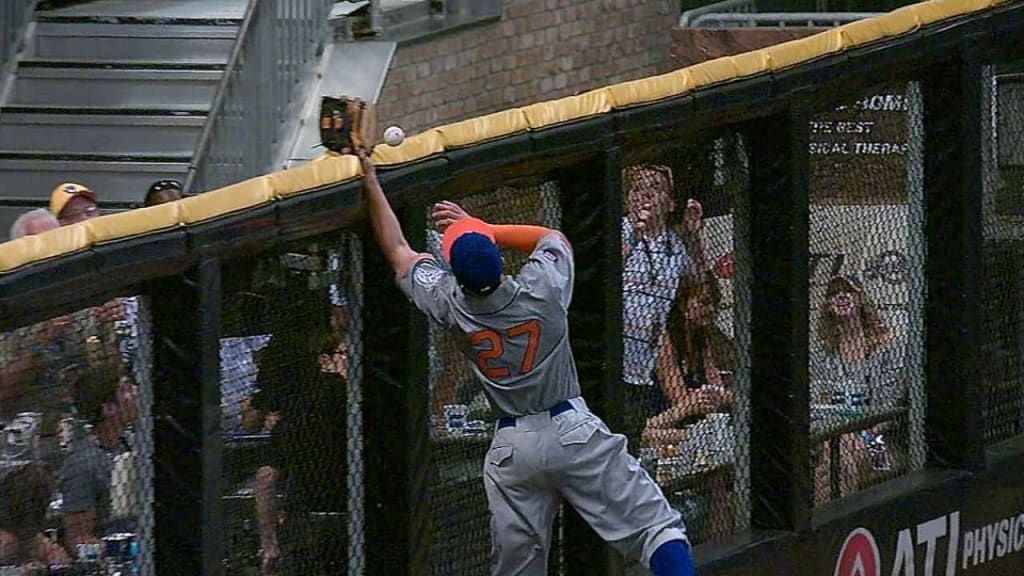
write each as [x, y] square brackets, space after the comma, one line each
[394, 136]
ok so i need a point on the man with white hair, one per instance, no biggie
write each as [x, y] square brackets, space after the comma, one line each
[33, 222]
[16, 359]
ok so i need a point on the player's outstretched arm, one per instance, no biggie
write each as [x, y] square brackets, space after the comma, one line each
[386, 228]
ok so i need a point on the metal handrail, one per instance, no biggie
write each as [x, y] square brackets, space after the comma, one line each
[724, 7]
[276, 48]
[781, 19]
[14, 18]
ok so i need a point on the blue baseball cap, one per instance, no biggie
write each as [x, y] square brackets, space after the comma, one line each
[473, 256]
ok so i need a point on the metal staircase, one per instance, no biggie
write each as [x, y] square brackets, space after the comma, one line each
[110, 94]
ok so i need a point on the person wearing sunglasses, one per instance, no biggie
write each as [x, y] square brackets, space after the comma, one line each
[162, 192]
[860, 363]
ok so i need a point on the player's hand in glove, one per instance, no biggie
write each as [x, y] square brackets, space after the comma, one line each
[369, 168]
[445, 213]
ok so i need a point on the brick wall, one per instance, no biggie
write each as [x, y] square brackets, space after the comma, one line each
[540, 50]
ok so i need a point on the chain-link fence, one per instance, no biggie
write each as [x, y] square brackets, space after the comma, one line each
[314, 471]
[685, 355]
[462, 420]
[76, 490]
[1003, 265]
[290, 376]
[866, 270]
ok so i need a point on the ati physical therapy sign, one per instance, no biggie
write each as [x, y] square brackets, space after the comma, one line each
[938, 547]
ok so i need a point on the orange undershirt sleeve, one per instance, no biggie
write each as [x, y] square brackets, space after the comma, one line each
[521, 237]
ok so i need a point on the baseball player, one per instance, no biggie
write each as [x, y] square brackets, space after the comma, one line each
[547, 445]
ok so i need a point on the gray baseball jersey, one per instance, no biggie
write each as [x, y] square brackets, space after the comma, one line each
[516, 338]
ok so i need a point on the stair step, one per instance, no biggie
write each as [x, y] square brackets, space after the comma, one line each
[162, 110]
[31, 177]
[63, 131]
[121, 64]
[162, 9]
[129, 20]
[114, 87]
[133, 42]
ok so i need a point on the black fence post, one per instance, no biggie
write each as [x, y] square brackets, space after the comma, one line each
[953, 185]
[417, 411]
[780, 469]
[591, 200]
[186, 315]
[396, 433]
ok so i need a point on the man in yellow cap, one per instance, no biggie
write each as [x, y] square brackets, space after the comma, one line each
[72, 203]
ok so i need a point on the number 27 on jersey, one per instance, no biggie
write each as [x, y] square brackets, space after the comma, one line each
[490, 348]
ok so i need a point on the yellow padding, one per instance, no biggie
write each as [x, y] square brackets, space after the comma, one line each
[320, 172]
[553, 112]
[413, 148]
[936, 10]
[333, 168]
[752, 63]
[31, 249]
[712, 71]
[484, 128]
[134, 222]
[223, 201]
[644, 90]
[803, 49]
[874, 29]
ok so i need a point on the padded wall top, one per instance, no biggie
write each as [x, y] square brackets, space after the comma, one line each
[332, 169]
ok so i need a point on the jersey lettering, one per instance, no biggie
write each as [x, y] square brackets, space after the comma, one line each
[493, 352]
[495, 348]
[532, 330]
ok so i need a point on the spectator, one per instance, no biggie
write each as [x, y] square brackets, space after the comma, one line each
[302, 391]
[33, 222]
[654, 257]
[34, 363]
[238, 373]
[162, 192]
[72, 203]
[860, 361]
[697, 363]
[698, 359]
[108, 404]
[25, 494]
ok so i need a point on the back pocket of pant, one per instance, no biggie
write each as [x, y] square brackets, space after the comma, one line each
[499, 455]
[578, 434]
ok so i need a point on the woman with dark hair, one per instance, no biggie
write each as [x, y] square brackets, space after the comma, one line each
[859, 366]
[25, 494]
[696, 361]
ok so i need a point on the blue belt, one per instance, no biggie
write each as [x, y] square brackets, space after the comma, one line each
[563, 406]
